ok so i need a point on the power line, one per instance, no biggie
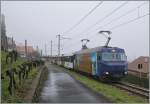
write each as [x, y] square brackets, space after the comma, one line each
[125, 15]
[116, 9]
[116, 19]
[122, 24]
[107, 15]
[83, 18]
[139, 17]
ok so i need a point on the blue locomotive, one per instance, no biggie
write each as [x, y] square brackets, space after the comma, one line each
[104, 62]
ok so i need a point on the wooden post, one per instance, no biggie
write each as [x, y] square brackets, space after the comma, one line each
[26, 48]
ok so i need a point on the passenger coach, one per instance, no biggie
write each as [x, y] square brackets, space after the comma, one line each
[67, 61]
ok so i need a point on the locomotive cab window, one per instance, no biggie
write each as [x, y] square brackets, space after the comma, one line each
[109, 56]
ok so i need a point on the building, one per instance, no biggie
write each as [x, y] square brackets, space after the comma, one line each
[139, 67]
[21, 50]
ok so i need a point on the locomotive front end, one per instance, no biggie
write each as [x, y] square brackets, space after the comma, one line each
[113, 64]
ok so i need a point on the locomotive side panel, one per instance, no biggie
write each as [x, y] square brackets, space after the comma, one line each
[85, 64]
[94, 62]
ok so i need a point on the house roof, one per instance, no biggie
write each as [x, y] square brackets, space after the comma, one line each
[141, 58]
[21, 48]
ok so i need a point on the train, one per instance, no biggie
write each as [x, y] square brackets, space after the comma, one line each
[103, 62]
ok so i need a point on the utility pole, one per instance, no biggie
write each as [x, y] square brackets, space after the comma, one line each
[41, 52]
[58, 45]
[12, 43]
[45, 50]
[26, 48]
[51, 48]
[37, 48]
[60, 38]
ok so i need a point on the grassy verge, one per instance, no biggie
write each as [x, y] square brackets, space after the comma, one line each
[21, 89]
[111, 92]
[143, 82]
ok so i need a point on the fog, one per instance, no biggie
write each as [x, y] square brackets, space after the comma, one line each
[40, 21]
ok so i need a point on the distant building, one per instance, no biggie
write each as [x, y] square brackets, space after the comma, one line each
[139, 67]
[21, 50]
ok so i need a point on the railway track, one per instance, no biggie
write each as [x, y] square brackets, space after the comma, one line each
[133, 89]
[126, 86]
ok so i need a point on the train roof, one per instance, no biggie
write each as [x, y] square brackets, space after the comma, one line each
[96, 49]
[70, 54]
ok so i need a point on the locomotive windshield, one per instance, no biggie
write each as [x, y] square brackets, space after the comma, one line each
[113, 56]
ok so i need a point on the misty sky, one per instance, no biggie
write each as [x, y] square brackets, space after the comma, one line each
[40, 21]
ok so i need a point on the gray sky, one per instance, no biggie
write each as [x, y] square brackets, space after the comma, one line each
[40, 21]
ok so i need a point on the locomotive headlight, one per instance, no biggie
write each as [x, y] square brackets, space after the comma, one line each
[126, 72]
[107, 73]
[113, 50]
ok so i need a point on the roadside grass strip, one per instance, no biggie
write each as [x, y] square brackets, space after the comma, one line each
[115, 94]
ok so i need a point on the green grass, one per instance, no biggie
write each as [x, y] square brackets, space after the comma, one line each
[143, 82]
[21, 90]
[111, 92]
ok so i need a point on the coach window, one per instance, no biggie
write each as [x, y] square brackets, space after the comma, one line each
[72, 58]
[69, 59]
[64, 58]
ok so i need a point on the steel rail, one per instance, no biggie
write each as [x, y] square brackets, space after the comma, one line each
[133, 89]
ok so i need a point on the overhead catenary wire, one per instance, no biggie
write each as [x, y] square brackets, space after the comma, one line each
[122, 24]
[102, 19]
[116, 9]
[83, 18]
[118, 18]
[125, 23]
